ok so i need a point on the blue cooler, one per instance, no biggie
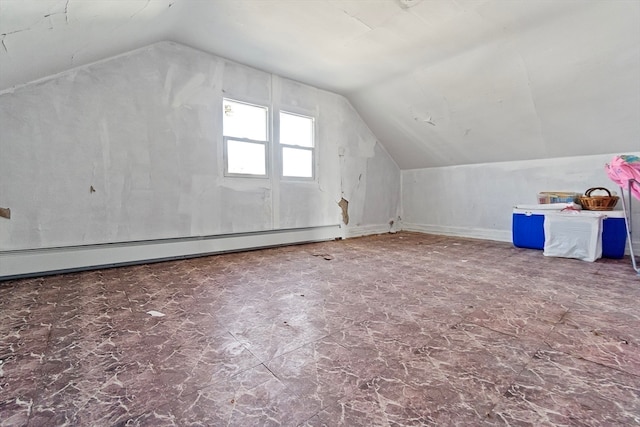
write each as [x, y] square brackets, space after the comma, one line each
[614, 234]
[528, 230]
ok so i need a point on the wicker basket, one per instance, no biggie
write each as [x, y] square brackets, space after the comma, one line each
[598, 203]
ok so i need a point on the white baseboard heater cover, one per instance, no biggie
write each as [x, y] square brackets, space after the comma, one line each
[35, 262]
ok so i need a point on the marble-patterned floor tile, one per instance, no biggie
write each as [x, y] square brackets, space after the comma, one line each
[609, 339]
[27, 302]
[209, 407]
[397, 329]
[557, 389]
[404, 328]
[477, 364]
[604, 300]
[532, 316]
[268, 402]
[327, 369]
[198, 361]
[277, 336]
[96, 391]
[385, 401]
[19, 387]
[16, 412]
[251, 397]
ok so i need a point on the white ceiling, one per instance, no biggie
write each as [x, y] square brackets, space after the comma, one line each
[440, 82]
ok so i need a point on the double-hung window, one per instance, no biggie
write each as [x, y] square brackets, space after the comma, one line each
[297, 145]
[246, 139]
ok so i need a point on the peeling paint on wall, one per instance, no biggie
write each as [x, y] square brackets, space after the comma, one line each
[344, 206]
[72, 33]
[153, 148]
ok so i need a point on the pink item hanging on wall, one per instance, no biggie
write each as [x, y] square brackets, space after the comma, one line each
[622, 169]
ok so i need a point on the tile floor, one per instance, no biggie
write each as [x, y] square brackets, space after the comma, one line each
[404, 329]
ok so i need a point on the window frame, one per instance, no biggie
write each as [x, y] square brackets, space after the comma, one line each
[266, 143]
[312, 149]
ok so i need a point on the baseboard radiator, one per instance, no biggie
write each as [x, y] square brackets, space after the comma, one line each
[45, 261]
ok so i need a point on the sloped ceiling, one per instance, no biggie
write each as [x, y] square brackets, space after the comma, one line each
[440, 82]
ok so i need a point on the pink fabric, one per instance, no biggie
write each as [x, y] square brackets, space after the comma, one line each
[623, 168]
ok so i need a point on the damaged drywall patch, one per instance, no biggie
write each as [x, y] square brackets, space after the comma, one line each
[344, 205]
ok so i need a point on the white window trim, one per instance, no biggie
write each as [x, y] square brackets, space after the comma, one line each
[266, 143]
[298, 147]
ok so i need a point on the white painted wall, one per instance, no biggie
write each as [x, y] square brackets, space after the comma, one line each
[144, 130]
[510, 80]
[478, 200]
[439, 82]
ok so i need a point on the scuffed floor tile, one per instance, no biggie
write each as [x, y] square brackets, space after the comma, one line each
[392, 330]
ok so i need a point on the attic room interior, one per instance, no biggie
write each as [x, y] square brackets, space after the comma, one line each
[306, 213]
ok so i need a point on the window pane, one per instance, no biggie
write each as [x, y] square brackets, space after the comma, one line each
[297, 162]
[246, 158]
[244, 120]
[296, 130]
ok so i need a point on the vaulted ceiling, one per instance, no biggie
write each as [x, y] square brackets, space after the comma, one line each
[440, 82]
